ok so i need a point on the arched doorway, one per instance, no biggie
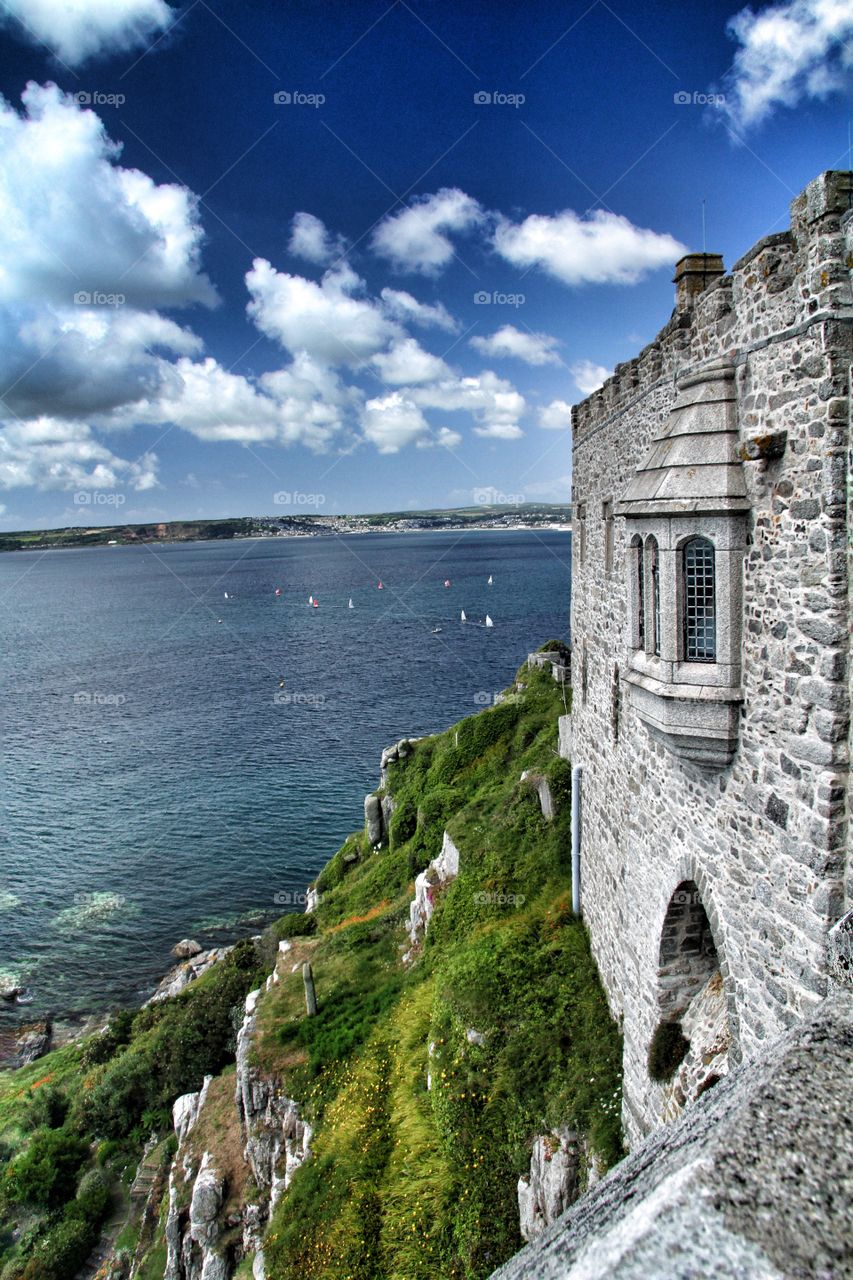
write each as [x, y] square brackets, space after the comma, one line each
[689, 1049]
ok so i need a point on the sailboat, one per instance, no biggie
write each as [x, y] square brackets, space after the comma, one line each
[489, 622]
[316, 604]
[278, 591]
[226, 595]
[490, 580]
[380, 587]
[447, 582]
[462, 617]
[350, 605]
[310, 599]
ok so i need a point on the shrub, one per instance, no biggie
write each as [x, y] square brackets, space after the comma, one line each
[62, 1251]
[48, 1109]
[175, 1045]
[403, 822]
[101, 1048]
[667, 1051]
[47, 1171]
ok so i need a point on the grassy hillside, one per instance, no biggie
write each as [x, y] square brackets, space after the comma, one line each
[426, 1083]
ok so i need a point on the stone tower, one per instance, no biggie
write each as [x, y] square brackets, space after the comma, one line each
[711, 627]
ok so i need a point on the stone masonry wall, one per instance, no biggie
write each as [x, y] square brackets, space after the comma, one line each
[765, 839]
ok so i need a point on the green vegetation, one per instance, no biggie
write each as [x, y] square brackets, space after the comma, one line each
[424, 1083]
[502, 1009]
[73, 1124]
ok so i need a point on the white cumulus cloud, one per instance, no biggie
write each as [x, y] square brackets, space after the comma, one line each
[407, 362]
[393, 421]
[403, 307]
[75, 222]
[75, 30]
[787, 53]
[605, 248]
[556, 416]
[311, 239]
[589, 376]
[326, 320]
[532, 348]
[49, 453]
[417, 239]
[493, 403]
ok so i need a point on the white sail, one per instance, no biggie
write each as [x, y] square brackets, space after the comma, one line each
[350, 605]
[489, 622]
[463, 618]
[310, 599]
[226, 595]
[490, 579]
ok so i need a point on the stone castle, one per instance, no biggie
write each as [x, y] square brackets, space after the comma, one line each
[711, 634]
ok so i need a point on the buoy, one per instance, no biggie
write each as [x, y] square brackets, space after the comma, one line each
[316, 604]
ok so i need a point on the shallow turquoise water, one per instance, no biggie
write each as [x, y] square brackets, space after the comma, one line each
[158, 783]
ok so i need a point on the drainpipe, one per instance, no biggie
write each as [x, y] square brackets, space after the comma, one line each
[577, 774]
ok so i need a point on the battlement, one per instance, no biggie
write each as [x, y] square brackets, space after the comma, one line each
[803, 270]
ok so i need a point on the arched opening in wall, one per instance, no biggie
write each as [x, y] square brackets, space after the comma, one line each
[689, 1049]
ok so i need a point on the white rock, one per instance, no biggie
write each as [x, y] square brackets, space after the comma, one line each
[552, 1184]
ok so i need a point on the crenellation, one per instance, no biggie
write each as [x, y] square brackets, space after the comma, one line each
[760, 827]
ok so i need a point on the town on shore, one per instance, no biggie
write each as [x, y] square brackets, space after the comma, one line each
[494, 516]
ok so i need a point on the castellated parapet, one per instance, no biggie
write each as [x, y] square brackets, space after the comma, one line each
[711, 625]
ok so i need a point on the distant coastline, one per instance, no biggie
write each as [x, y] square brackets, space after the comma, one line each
[494, 518]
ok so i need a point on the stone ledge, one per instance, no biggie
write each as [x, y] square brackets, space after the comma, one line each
[748, 1183]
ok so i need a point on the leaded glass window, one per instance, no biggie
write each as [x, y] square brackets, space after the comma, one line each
[700, 609]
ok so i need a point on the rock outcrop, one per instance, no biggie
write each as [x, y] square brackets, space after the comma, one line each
[437, 876]
[186, 949]
[754, 1180]
[187, 971]
[373, 819]
[32, 1042]
[552, 1183]
[538, 783]
[277, 1140]
[196, 1193]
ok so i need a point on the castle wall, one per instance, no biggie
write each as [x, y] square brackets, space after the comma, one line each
[764, 839]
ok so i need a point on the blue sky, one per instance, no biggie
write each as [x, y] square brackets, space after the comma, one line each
[365, 254]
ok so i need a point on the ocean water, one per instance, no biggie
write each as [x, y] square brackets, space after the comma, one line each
[157, 780]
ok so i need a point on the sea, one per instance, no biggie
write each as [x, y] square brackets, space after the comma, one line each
[187, 740]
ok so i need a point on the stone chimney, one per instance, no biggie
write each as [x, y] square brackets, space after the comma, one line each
[693, 273]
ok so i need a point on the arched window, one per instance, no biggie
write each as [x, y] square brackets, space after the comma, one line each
[654, 574]
[699, 620]
[639, 592]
